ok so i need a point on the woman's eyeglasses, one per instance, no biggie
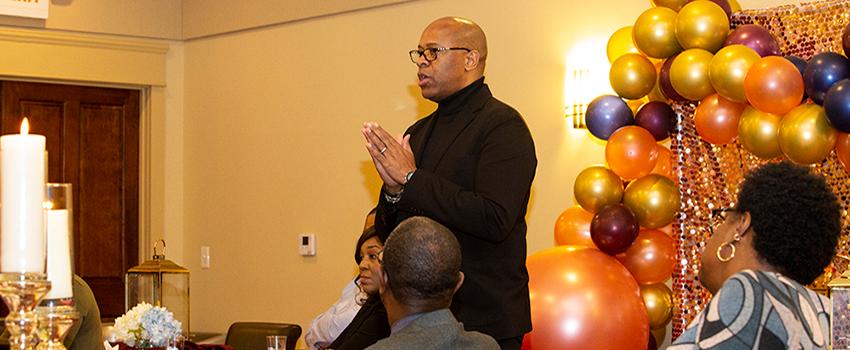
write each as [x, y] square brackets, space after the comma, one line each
[716, 217]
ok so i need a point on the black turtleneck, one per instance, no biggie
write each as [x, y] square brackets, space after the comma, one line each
[443, 117]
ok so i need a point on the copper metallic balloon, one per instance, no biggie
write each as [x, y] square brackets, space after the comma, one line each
[651, 257]
[759, 133]
[632, 76]
[658, 300]
[842, 150]
[702, 24]
[729, 68]
[735, 6]
[584, 299]
[689, 74]
[597, 187]
[654, 33]
[654, 199]
[620, 43]
[774, 85]
[805, 135]
[716, 119]
[573, 227]
[631, 152]
[674, 5]
[664, 166]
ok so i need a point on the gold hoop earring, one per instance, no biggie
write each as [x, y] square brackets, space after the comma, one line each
[730, 244]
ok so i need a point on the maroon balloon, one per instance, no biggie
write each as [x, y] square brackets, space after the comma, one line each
[613, 229]
[755, 37]
[724, 4]
[658, 118]
[845, 40]
[664, 81]
[652, 344]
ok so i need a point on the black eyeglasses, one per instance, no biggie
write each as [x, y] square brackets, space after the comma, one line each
[716, 217]
[430, 53]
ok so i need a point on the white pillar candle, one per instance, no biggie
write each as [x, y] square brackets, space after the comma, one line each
[22, 172]
[59, 254]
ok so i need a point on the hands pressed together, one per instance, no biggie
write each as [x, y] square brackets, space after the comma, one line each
[392, 156]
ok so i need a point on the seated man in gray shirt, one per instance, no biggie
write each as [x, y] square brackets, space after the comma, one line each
[421, 261]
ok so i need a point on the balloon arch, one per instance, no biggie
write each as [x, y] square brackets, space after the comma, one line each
[776, 87]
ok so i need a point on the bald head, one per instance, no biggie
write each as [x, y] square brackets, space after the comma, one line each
[460, 62]
[463, 33]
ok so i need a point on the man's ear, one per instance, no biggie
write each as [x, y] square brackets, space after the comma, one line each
[473, 58]
[459, 281]
[383, 283]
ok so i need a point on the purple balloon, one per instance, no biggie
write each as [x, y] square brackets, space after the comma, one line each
[613, 229]
[657, 118]
[755, 37]
[607, 113]
[836, 104]
[724, 4]
[845, 40]
[664, 81]
[824, 70]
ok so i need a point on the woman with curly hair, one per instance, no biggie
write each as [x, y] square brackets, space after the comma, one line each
[762, 253]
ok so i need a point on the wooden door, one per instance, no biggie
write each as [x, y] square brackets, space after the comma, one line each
[92, 143]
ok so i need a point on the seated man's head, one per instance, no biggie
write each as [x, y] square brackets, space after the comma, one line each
[421, 263]
[787, 220]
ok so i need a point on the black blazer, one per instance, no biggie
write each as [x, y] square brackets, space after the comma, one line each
[477, 183]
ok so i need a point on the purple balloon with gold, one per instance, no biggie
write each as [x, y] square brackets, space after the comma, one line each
[664, 81]
[836, 104]
[824, 70]
[613, 229]
[755, 37]
[607, 113]
[658, 118]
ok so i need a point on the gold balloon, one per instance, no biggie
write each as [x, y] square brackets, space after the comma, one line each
[597, 187]
[736, 7]
[805, 135]
[689, 74]
[654, 199]
[635, 105]
[702, 24]
[658, 300]
[759, 133]
[674, 5]
[654, 33]
[620, 44]
[632, 76]
[729, 68]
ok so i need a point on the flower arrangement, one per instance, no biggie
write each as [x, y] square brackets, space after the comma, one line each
[146, 326]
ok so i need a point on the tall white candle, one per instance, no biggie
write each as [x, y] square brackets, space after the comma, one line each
[22, 171]
[59, 254]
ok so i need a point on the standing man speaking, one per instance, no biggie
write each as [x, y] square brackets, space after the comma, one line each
[469, 166]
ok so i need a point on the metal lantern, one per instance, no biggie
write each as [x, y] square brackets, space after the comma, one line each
[160, 282]
[839, 296]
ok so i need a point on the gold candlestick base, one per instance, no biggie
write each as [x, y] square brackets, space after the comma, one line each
[53, 324]
[22, 292]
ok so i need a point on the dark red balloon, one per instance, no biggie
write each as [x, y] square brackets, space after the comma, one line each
[652, 344]
[658, 118]
[613, 229]
[755, 37]
[664, 81]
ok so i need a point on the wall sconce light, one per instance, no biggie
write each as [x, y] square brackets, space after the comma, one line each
[576, 105]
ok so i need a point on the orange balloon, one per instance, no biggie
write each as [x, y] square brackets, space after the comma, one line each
[774, 85]
[716, 119]
[651, 258]
[664, 166]
[667, 229]
[573, 228]
[631, 152]
[842, 150]
[574, 292]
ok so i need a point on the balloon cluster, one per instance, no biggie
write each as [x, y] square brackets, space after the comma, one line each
[773, 105]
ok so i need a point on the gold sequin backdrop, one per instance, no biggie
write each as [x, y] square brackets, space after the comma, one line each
[709, 175]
